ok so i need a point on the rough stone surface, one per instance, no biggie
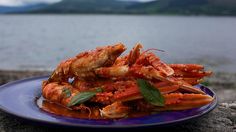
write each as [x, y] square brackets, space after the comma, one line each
[8, 76]
[221, 119]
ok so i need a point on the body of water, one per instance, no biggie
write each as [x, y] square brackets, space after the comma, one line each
[41, 41]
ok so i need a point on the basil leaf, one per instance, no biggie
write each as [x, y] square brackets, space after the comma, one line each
[66, 92]
[83, 97]
[150, 93]
[98, 90]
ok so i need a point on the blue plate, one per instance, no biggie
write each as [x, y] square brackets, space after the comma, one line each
[19, 99]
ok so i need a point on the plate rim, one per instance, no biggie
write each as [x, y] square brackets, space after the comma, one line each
[66, 124]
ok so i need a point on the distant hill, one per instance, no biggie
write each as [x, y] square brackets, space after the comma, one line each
[208, 7]
[13, 9]
[186, 7]
[87, 6]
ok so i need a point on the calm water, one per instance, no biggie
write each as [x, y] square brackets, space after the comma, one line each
[40, 42]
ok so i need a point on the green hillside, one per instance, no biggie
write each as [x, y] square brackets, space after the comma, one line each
[86, 6]
[208, 7]
[186, 7]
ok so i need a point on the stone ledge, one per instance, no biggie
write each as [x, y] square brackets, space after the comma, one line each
[9, 75]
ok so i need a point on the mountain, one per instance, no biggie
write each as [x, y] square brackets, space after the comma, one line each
[208, 7]
[185, 7]
[19, 9]
[87, 6]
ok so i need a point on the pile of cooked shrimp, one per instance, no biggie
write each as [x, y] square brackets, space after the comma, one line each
[118, 84]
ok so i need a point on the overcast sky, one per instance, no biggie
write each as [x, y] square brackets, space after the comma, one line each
[25, 2]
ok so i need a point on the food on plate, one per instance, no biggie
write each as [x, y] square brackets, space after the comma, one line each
[105, 84]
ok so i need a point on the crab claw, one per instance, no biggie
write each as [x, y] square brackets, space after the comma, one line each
[115, 110]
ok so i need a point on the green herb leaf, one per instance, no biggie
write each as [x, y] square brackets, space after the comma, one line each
[206, 83]
[66, 92]
[83, 97]
[98, 90]
[150, 93]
